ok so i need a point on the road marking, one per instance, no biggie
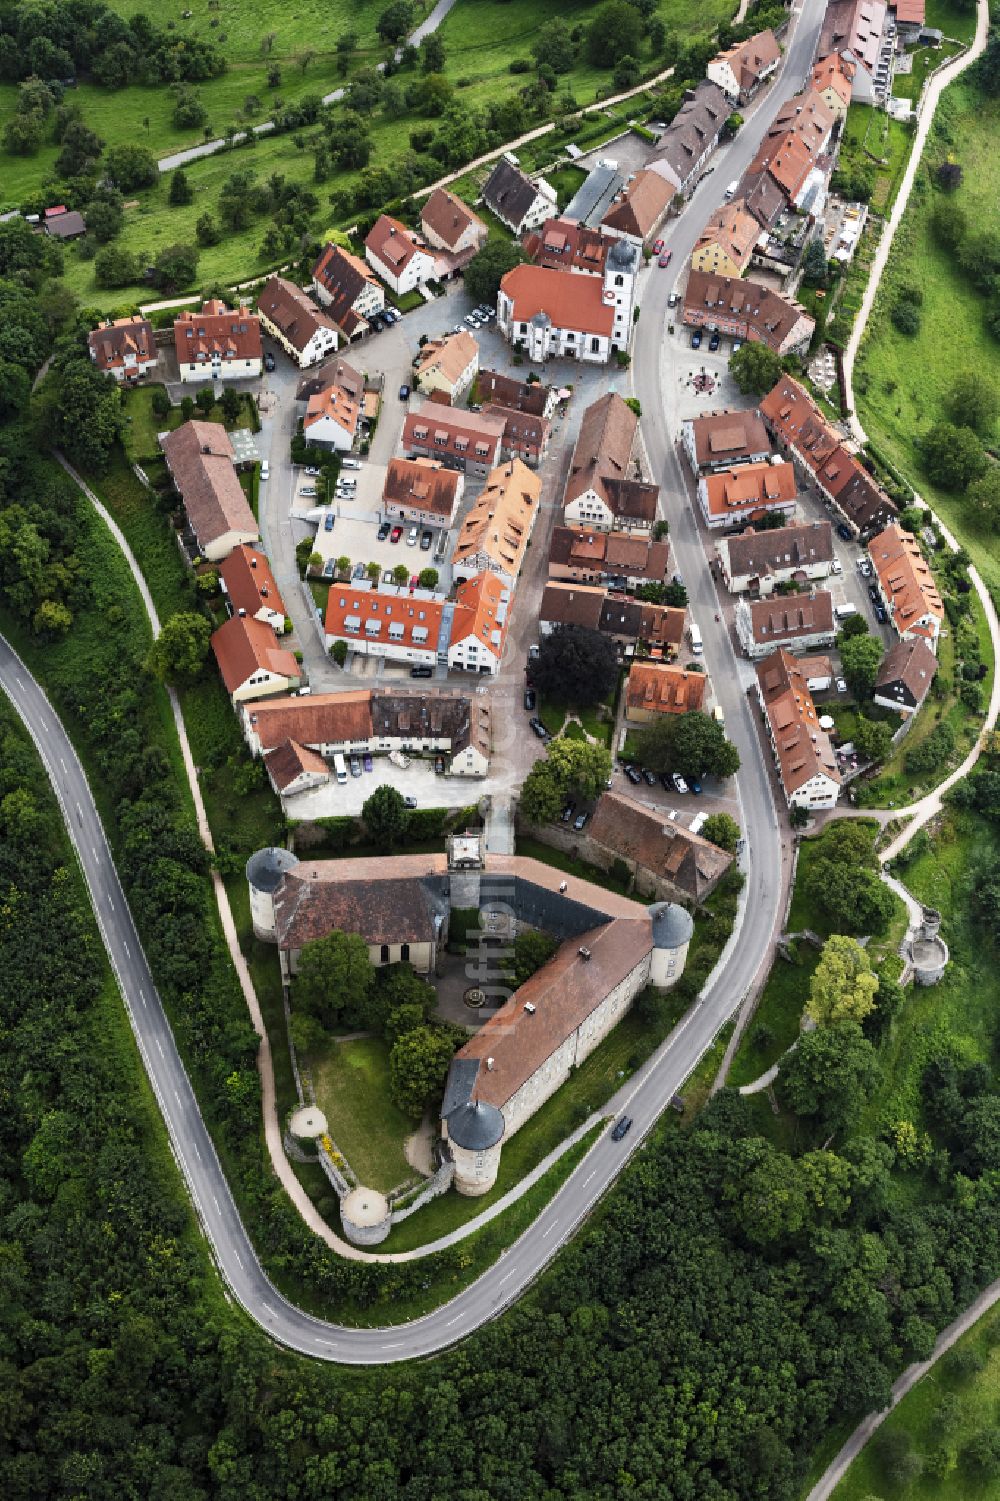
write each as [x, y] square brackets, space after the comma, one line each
[177, 1098]
[550, 1229]
[587, 1179]
[453, 1321]
[125, 947]
[19, 683]
[62, 763]
[394, 1346]
[159, 1045]
[239, 1258]
[197, 1153]
[503, 1280]
[216, 1203]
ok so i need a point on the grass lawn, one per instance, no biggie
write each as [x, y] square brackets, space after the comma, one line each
[872, 138]
[953, 18]
[242, 810]
[149, 534]
[352, 1089]
[566, 181]
[536, 850]
[916, 1415]
[925, 61]
[143, 425]
[900, 382]
[779, 1011]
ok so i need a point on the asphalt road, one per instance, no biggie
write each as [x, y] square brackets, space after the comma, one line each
[646, 1094]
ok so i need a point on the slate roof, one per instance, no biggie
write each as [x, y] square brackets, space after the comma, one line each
[696, 124]
[289, 761]
[344, 277]
[906, 672]
[509, 193]
[758, 554]
[402, 900]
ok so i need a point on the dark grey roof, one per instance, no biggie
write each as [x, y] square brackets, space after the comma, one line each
[595, 195]
[475, 1126]
[509, 193]
[695, 127]
[552, 911]
[757, 553]
[672, 925]
[623, 255]
[461, 1082]
[266, 868]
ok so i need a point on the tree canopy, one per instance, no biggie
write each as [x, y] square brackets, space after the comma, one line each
[844, 985]
[575, 665]
[179, 651]
[861, 657]
[755, 368]
[335, 980]
[489, 266]
[386, 816]
[693, 744]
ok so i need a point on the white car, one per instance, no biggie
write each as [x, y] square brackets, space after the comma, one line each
[413, 536]
[835, 566]
[679, 783]
[264, 470]
[350, 463]
[841, 685]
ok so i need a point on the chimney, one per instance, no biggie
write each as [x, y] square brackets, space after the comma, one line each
[253, 562]
[242, 613]
[584, 953]
[489, 1064]
[529, 1008]
[563, 885]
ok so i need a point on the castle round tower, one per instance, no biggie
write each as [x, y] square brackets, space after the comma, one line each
[264, 872]
[475, 1131]
[673, 927]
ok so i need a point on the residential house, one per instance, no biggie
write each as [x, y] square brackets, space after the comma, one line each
[726, 243]
[744, 310]
[199, 457]
[448, 365]
[618, 560]
[468, 441]
[905, 676]
[348, 291]
[595, 194]
[332, 415]
[823, 460]
[515, 200]
[788, 161]
[762, 197]
[833, 80]
[524, 437]
[124, 348]
[421, 492]
[387, 622]
[293, 768]
[907, 585]
[494, 536]
[910, 16]
[450, 724]
[398, 255]
[218, 343]
[250, 588]
[325, 722]
[802, 621]
[624, 620]
[570, 604]
[857, 30]
[640, 208]
[479, 624]
[740, 70]
[807, 116]
[599, 493]
[653, 689]
[251, 662]
[667, 861]
[757, 562]
[532, 397]
[450, 226]
[733, 497]
[685, 146]
[721, 440]
[304, 331]
[803, 755]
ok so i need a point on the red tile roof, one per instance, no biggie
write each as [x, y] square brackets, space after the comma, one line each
[448, 217]
[322, 719]
[566, 299]
[383, 616]
[802, 748]
[664, 690]
[289, 761]
[111, 343]
[640, 207]
[232, 334]
[249, 581]
[200, 459]
[244, 646]
[759, 486]
[393, 244]
[423, 484]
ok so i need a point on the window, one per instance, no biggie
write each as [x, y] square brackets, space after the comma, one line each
[619, 282]
[404, 951]
[595, 346]
[384, 953]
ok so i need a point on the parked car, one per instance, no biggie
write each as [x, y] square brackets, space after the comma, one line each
[307, 490]
[835, 566]
[312, 470]
[649, 777]
[673, 299]
[567, 813]
[421, 672]
[737, 344]
[413, 536]
[367, 762]
[665, 781]
[657, 246]
[633, 775]
[844, 531]
[404, 393]
[350, 463]
[580, 820]
[329, 568]
[355, 766]
[414, 581]
[270, 363]
[530, 699]
[410, 802]
[395, 534]
[880, 614]
[358, 571]
[696, 339]
[664, 259]
[695, 786]
[539, 729]
[621, 1128]
[387, 576]
[714, 341]
[841, 685]
[532, 653]
[426, 539]
[865, 568]
[265, 471]
[328, 521]
[383, 531]
[679, 783]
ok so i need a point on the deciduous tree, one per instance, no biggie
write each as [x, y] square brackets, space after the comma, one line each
[179, 651]
[386, 816]
[575, 665]
[844, 985]
[418, 1068]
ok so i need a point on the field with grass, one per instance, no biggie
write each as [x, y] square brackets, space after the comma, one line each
[352, 1089]
[953, 1404]
[901, 382]
[871, 138]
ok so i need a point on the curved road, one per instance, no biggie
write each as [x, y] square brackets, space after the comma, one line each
[647, 1094]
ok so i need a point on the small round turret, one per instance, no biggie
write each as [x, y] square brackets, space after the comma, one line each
[673, 927]
[265, 871]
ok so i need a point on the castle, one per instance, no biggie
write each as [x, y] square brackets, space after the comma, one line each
[610, 949]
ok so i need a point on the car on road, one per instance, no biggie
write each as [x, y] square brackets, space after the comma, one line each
[350, 463]
[367, 762]
[413, 536]
[410, 802]
[426, 539]
[382, 532]
[567, 813]
[533, 652]
[649, 777]
[633, 775]
[404, 393]
[865, 568]
[665, 258]
[270, 363]
[530, 699]
[695, 786]
[835, 566]
[657, 246]
[844, 531]
[539, 729]
[621, 1128]
[421, 672]
[679, 783]
[395, 534]
[328, 521]
[265, 470]
[580, 820]
[873, 593]
[355, 766]
[696, 339]
[673, 299]
[714, 341]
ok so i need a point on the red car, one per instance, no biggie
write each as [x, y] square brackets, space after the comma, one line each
[657, 246]
[414, 581]
[395, 534]
[665, 258]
